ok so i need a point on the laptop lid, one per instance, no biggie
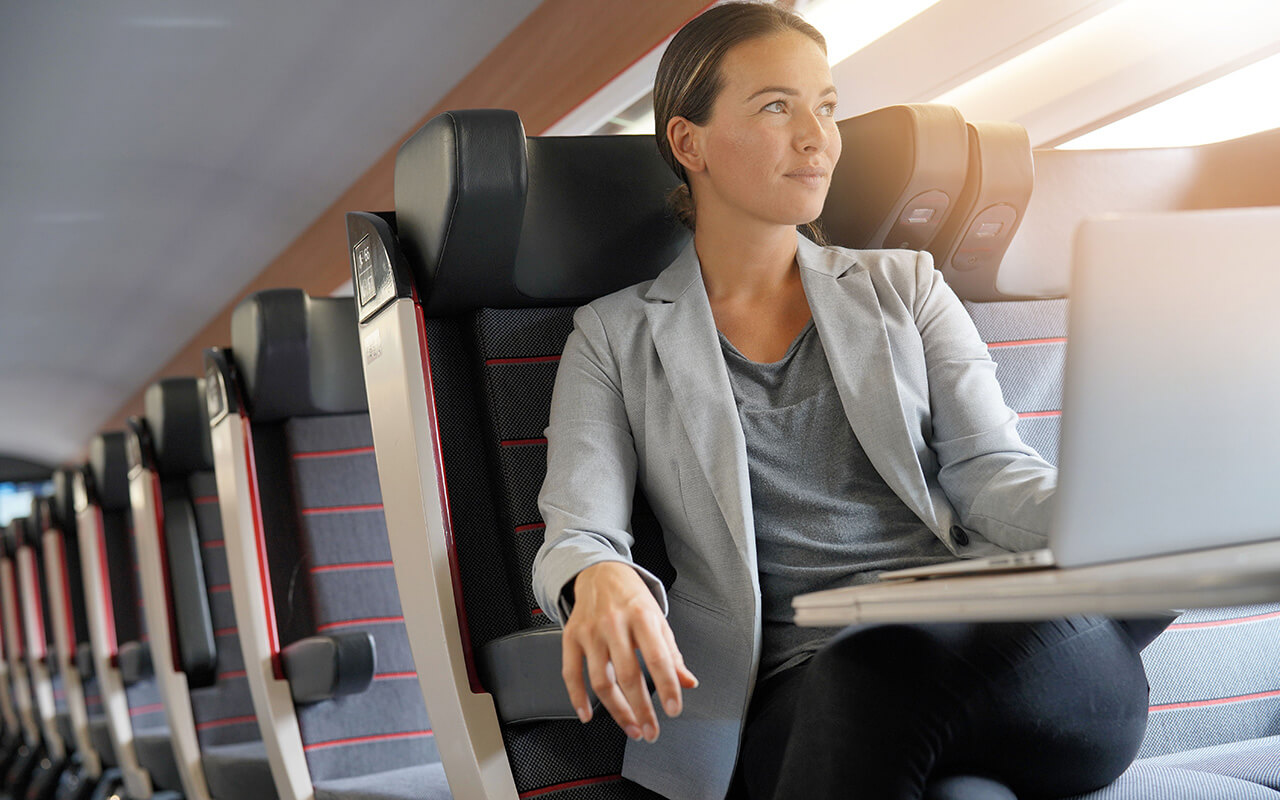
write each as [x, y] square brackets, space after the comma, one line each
[1169, 434]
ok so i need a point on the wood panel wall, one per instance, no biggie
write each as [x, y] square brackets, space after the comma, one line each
[560, 55]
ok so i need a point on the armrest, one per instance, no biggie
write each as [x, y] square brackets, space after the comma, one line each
[135, 662]
[323, 667]
[84, 659]
[522, 672]
[197, 648]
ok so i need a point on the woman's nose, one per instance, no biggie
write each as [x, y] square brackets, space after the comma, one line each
[812, 136]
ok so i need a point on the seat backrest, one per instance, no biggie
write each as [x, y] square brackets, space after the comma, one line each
[15, 636]
[104, 525]
[70, 622]
[33, 595]
[203, 616]
[491, 322]
[293, 372]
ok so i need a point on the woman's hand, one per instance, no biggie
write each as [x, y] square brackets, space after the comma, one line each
[614, 614]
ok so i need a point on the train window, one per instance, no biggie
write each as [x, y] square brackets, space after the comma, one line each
[15, 498]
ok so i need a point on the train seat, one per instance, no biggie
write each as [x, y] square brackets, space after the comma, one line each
[30, 747]
[71, 632]
[184, 578]
[310, 567]
[133, 712]
[1213, 727]
[467, 296]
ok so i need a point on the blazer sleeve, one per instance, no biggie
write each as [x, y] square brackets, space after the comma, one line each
[586, 497]
[998, 485]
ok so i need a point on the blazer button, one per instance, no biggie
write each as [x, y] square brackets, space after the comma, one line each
[959, 535]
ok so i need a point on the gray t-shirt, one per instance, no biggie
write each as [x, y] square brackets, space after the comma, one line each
[823, 515]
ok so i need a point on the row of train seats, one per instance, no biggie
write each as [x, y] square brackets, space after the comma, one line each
[262, 585]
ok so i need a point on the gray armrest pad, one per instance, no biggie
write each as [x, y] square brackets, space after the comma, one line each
[522, 672]
[135, 662]
[323, 667]
[84, 659]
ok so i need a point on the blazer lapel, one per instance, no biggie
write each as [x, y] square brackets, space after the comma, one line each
[846, 312]
[684, 333]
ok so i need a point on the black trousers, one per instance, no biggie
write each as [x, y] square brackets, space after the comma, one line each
[901, 712]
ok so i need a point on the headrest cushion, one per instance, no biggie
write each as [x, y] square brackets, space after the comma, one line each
[901, 172]
[175, 411]
[64, 504]
[109, 467]
[488, 218]
[298, 356]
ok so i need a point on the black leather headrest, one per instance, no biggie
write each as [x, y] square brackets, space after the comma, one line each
[11, 535]
[901, 171]
[64, 502]
[298, 356]
[109, 467]
[489, 218]
[41, 518]
[175, 410]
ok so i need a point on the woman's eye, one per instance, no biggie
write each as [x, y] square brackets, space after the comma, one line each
[827, 109]
[777, 106]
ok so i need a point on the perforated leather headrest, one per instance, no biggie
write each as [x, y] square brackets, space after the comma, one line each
[901, 171]
[488, 218]
[109, 468]
[298, 356]
[972, 244]
[175, 410]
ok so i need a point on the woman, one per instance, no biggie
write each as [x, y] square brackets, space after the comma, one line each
[799, 418]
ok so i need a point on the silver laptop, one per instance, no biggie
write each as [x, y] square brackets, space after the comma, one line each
[1170, 436]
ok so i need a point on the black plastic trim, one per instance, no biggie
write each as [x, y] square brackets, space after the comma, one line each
[323, 667]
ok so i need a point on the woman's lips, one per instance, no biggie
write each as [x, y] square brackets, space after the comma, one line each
[809, 177]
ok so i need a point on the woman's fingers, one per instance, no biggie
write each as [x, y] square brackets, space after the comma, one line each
[630, 677]
[571, 670]
[687, 679]
[601, 673]
[661, 661]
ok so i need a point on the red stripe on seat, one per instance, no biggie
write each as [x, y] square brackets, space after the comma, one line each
[225, 632]
[222, 723]
[204, 501]
[570, 785]
[521, 442]
[538, 526]
[355, 565]
[537, 612]
[493, 362]
[351, 451]
[1215, 623]
[367, 621]
[1217, 701]
[394, 676]
[1029, 414]
[150, 709]
[342, 509]
[1020, 342]
[380, 737]
[220, 587]
[213, 543]
[235, 673]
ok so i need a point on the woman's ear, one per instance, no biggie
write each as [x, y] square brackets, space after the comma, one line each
[686, 144]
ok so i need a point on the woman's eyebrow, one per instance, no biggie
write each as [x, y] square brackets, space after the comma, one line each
[787, 90]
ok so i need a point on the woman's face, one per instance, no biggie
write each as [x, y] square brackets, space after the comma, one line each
[771, 142]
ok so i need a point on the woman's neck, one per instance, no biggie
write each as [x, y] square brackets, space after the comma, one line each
[744, 263]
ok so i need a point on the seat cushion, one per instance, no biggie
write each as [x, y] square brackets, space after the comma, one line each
[154, 747]
[1146, 781]
[235, 771]
[1253, 760]
[425, 782]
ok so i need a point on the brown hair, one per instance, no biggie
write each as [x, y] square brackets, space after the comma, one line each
[689, 78]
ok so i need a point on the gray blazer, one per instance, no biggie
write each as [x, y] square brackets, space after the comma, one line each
[642, 394]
